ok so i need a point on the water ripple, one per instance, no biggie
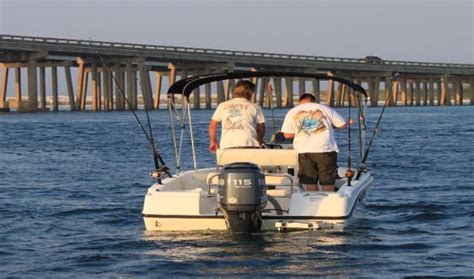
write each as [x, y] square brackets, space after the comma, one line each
[72, 187]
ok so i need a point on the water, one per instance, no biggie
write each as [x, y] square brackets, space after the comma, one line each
[72, 187]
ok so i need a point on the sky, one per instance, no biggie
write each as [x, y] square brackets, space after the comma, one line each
[413, 30]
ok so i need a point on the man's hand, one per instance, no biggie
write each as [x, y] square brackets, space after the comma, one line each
[350, 122]
[213, 146]
[260, 133]
[288, 135]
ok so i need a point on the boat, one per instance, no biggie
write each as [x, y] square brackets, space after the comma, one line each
[251, 190]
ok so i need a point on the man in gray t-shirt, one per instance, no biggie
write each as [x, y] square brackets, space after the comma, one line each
[311, 125]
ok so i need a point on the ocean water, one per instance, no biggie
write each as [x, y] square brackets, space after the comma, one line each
[72, 188]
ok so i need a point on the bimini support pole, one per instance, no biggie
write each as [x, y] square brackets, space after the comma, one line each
[181, 120]
[191, 134]
[173, 132]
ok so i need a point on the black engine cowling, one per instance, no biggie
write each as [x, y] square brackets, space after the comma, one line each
[242, 196]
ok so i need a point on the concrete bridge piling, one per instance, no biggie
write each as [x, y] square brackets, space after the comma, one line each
[144, 72]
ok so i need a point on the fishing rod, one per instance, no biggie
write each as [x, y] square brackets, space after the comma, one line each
[157, 159]
[349, 172]
[374, 132]
[362, 123]
[156, 154]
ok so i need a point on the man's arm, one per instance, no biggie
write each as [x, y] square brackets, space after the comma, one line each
[260, 132]
[213, 145]
[344, 126]
[287, 127]
[337, 121]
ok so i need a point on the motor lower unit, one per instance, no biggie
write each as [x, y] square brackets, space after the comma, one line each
[242, 196]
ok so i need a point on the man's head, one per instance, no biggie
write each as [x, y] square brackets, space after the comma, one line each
[307, 98]
[243, 89]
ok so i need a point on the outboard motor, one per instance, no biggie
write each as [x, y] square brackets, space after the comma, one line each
[242, 196]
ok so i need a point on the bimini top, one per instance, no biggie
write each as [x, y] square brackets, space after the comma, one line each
[187, 85]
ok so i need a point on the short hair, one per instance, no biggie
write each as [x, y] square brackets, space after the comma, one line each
[307, 96]
[243, 88]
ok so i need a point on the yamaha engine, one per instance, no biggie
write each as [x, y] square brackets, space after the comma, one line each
[242, 196]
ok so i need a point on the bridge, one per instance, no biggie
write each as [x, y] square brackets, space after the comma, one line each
[143, 72]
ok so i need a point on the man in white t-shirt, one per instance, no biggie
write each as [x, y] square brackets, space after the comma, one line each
[243, 122]
[311, 126]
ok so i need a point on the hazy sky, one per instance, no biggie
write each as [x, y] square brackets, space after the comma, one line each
[391, 29]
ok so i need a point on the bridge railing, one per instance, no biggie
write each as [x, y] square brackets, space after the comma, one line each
[221, 52]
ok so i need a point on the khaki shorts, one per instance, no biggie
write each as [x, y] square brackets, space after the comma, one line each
[316, 167]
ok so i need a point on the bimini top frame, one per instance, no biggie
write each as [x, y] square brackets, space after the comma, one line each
[185, 87]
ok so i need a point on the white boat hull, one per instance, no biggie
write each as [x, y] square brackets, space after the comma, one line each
[190, 206]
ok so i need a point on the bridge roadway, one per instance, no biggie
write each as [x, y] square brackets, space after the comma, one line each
[407, 82]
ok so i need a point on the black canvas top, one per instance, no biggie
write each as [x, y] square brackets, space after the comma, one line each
[187, 85]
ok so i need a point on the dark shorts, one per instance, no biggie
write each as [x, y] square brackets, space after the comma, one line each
[316, 167]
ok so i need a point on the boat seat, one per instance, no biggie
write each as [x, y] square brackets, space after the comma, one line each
[279, 192]
[261, 157]
[277, 180]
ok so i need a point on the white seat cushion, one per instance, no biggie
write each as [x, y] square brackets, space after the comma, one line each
[261, 157]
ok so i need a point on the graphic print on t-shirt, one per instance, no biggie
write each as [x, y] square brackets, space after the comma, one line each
[310, 121]
[233, 121]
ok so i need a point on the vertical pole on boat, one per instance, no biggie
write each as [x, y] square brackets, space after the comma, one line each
[270, 87]
[191, 134]
[173, 132]
[182, 120]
